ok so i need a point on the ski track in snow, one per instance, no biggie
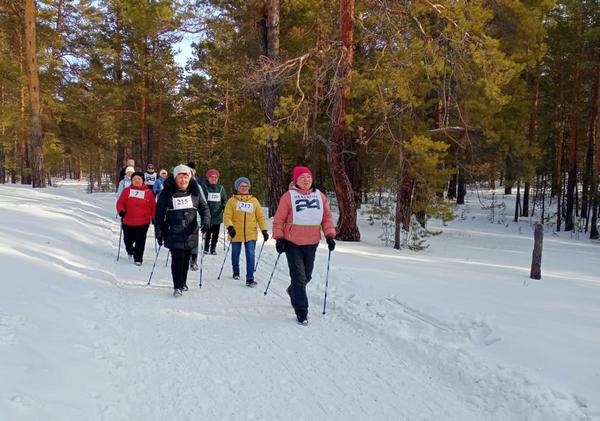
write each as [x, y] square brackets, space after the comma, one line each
[224, 351]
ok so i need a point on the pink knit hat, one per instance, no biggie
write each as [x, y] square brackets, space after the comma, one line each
[298, 171]
[212, 172]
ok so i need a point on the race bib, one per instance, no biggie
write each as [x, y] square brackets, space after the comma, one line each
[150, 178]
[138, 194]
[247, 207]
[307, 208]
[214, 197]
[183, 202]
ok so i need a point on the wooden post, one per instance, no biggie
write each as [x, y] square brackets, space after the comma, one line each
[536, 259]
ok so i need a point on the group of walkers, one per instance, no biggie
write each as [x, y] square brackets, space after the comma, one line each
[184, 204]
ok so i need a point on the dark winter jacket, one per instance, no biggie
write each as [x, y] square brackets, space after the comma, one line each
[217, 204]
[138, 204]
[179, 227]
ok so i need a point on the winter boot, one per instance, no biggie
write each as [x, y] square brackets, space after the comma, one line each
[236, 276]
[177, 293]
[138, 263]
[251, 283]
[301, 316]
[194, 265]
[185, 288]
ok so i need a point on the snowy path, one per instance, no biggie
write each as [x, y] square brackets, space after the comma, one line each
[82, 337]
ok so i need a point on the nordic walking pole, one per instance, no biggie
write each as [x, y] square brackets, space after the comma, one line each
[154, 265]
[224, 259]
[326, 282]
[272, 273]
[201, 260]
[119, 250]
[259, 253]
[224, 236]
[167, 261]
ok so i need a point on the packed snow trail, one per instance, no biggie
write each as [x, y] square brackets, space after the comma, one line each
[83, 337]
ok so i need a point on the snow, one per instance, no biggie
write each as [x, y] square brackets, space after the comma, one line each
[454, 332]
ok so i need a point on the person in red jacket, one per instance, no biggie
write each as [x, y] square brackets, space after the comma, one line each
[136, 207]
[302, 212]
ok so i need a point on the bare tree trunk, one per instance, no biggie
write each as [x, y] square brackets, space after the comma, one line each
[347, 229]
[268, 27]
[143, 122]
[120, 161]
[462, 189]
[22, 154]
[572, 141]
[595, 133]
[508, 174]
[536, 259]
[37, 153]
[532, 131]
[517, 202]
[404, 186]
[3, 133]
[588, 175]
[556, 175]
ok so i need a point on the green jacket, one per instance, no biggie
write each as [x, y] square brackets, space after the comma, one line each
[216, 206]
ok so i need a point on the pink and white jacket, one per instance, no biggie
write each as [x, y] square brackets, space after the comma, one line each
[284, 228]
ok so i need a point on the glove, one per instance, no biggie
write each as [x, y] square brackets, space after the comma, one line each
[231, 231]
[204, 228]
[330, 243]
[280, 245]
[265, 235]
[159, 240]
[122, 213]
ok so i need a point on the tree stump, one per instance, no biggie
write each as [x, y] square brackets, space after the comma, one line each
[536, 259]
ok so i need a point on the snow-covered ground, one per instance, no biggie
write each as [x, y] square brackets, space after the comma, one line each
[454, 332]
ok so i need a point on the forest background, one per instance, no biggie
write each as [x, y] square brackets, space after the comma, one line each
[400, 103]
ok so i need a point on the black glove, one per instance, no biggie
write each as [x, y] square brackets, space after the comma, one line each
[330, 243]
[122, 213]
[159, 239]
[204, 228]
[265, 235]
[280, 245]
[231, 231]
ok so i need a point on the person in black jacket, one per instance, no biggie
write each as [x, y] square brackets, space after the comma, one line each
[176, 222]
[130, 163]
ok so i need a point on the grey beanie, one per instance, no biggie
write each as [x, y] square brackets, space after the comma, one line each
[241, 180]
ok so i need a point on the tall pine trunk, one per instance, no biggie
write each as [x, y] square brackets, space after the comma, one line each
[268, 27]
[3, 134]
[404, 192]
[594, 133]
[572, 139]
[531, 133]
[347, 229]
[558, 162]
[37, 154]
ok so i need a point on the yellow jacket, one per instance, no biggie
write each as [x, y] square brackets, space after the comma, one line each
[243, 212]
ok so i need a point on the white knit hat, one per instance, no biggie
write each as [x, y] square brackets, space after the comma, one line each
[129, 169]
[182, 169]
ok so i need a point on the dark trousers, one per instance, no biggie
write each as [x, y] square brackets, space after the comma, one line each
[134, 238]
[301, 260]
[180, 263]
[212, 237]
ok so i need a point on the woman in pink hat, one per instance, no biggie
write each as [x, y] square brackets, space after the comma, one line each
[302, 212]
